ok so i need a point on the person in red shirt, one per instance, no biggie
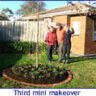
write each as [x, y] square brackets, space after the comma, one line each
[50, 39]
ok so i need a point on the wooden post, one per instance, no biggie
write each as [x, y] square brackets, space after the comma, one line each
[37, 55]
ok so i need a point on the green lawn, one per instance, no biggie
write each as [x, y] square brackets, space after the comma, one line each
[83, 70]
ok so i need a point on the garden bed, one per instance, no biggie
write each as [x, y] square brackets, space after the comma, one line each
[43, 76]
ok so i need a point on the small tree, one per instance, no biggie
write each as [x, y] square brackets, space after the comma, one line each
[37, 54]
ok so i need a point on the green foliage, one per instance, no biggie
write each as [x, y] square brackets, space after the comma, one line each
[36, 72]
[30, 7]
[42, 47]
[41, 76]
[20, 47]
[14, 47]
[42, 71]
[7, 10]
[83, 70]
[6, 13]
[25, 75]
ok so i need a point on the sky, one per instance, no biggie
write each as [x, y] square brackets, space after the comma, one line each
[15, 5]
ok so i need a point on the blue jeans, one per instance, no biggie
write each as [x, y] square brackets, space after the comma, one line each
[50, 51]
[66, 51]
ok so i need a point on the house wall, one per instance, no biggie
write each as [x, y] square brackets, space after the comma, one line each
[78, 41]
[90, 44]
[62, 19]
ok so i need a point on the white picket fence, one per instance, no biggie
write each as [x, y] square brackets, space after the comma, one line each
[22, 30]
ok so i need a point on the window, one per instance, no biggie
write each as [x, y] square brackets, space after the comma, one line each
[76, 27]
[94, 33]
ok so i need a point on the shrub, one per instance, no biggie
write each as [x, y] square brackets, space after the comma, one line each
[20, 47]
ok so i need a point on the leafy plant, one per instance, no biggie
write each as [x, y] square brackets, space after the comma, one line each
[42, 71]
[36, 72]
[21, 47]
[41, 76]
[25, 75]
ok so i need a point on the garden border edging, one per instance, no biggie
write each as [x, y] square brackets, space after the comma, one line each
[40, 85]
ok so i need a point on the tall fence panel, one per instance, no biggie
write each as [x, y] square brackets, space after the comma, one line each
[22, 30]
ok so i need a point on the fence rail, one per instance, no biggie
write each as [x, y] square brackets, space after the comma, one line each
[22, 30]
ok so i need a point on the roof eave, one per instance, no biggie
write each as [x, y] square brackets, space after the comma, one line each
[57, 14]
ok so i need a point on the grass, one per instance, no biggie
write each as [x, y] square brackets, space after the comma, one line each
[83, 70]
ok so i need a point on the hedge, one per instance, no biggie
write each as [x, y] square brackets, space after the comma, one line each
[20, 47]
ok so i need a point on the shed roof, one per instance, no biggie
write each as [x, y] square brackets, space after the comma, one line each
[76, 8]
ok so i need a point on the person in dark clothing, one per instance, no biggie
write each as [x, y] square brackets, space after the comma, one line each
[51, 40]
[68, 31]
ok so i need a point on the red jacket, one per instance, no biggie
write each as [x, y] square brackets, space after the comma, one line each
[51, 38]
